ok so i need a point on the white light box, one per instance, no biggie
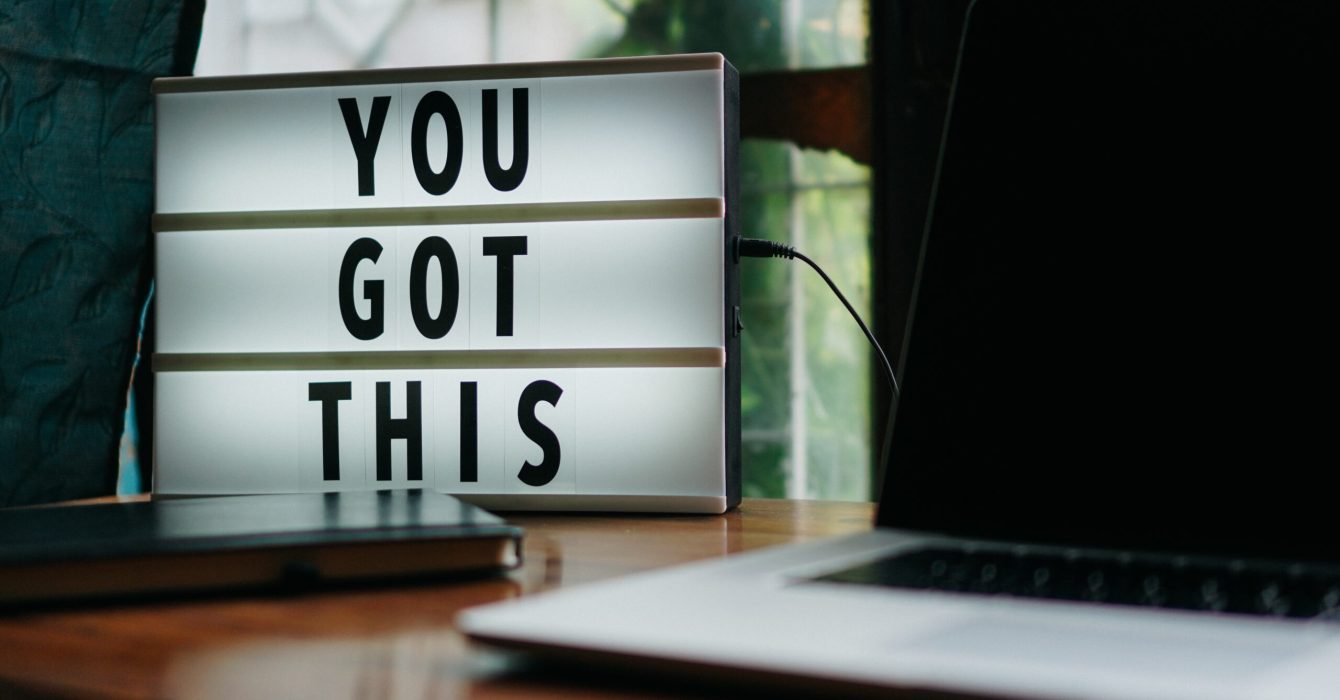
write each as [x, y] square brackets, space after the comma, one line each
[508, 282]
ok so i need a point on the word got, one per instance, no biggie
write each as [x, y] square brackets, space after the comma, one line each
[431, 249]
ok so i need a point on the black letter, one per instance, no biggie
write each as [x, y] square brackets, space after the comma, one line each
[409, 429]
[436, 102]
[506, 180]
[539, 433]
[469, 431]
[433, 247]
[505, 247]
[361, 328]
[330, 394]
[365, 146]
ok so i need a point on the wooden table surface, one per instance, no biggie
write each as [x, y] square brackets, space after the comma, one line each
[377, 642]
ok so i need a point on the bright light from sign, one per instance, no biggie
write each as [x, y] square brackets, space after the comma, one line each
[502, 281]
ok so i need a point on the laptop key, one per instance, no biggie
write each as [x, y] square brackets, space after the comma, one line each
[1281, 593]
[1213, 598]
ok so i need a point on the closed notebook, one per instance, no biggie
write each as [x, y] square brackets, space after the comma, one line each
[213, 543]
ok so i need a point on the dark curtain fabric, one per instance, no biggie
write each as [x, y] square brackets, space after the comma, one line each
[76, 194]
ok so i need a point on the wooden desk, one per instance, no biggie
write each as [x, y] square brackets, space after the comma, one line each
[395, 642]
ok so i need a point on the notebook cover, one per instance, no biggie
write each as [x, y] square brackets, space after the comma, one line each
[223, 542]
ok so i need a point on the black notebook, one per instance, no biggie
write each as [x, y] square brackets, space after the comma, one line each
[116, 549]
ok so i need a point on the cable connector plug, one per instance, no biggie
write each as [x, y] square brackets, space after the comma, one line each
[762, 248]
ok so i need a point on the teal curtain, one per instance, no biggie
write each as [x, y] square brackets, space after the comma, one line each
[76, 194]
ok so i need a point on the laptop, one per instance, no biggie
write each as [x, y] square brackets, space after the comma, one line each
[1111, 471]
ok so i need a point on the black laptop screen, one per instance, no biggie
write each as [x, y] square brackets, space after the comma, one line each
[1123, 326]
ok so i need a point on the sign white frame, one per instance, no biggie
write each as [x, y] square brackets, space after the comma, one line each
[612, 331]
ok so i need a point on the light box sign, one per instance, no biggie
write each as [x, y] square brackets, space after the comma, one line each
[508, 282]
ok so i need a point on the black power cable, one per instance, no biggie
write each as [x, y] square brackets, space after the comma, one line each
[760, 248]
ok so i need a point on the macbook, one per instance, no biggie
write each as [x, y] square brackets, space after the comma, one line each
[1111, 470]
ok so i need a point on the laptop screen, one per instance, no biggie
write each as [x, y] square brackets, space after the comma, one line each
[1123, 328]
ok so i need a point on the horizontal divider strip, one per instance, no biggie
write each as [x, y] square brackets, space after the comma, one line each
[439, 74]
[700, 208]
[440, 359]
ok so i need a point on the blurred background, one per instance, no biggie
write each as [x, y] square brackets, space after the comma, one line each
[807, 376]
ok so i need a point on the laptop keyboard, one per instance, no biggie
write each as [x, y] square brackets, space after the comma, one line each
[1255, 590]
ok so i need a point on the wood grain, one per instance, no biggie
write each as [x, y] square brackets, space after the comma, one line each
[373, 642]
